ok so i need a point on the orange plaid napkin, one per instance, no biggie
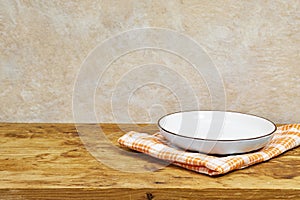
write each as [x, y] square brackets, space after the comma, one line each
[285, 138]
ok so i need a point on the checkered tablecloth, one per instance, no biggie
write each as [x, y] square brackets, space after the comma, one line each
[285, 138]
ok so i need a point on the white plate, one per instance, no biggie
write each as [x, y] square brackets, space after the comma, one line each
[216, 132]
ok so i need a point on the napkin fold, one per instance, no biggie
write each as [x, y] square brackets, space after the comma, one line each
[285, 138]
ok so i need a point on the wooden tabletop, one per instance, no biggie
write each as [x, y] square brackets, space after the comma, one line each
[50, 161]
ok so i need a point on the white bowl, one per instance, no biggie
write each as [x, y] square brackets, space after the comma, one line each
[216, 132]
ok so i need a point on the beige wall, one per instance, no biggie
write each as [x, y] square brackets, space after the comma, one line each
[255, 46]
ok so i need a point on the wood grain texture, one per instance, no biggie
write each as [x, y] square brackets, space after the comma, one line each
[49, 161]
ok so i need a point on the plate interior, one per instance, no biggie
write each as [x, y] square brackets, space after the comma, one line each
[216, 125]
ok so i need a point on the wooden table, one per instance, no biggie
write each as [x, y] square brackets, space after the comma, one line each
[49, 161]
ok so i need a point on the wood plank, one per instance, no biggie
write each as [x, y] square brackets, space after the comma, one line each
[147, 193]
[48, 161]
